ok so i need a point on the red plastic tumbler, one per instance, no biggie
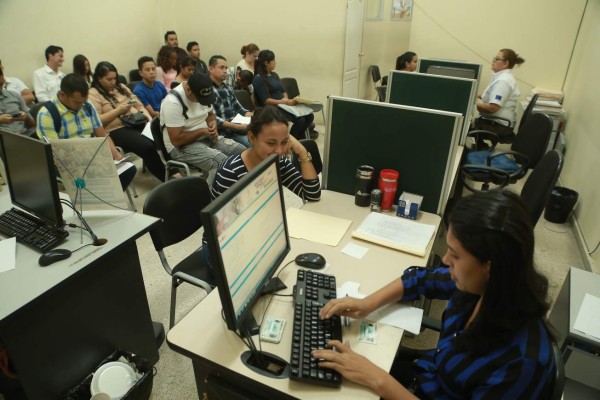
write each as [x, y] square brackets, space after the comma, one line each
[388, 184]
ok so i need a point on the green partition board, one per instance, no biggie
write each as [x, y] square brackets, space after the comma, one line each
[418, 143]
[433, 91]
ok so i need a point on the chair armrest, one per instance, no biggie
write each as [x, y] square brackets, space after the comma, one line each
[480, 134]
[495, 118]
[431, 323]
[521, 159]
[474, 171]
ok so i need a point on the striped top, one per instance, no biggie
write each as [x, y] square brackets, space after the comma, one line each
[234, 168]
[519, 369]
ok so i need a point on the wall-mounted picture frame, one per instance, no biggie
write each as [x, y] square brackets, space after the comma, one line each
[402, 10]
[374, 10]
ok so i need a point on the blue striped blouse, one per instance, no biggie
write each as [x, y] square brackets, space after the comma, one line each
[520, 369]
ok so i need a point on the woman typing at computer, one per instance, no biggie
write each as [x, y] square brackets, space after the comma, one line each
[494, 341]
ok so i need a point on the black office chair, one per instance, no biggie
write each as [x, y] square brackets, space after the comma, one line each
[159, 144]
[381, 89]
[134, 75]
[245, 99]
[35, 109]
[313, 149]
[291, 88]
[131, 85]
[509, 138]
[527, 149]
[178, 203]
[122, 79]
[540, 183]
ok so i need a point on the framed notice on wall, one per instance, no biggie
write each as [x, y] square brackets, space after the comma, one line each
[402, 10]
[374, 10]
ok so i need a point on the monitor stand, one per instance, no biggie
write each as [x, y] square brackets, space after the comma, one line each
[274, 285]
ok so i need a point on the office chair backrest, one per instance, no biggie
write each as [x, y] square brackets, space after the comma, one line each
[538, 188]
[122, 79]
[134, 75]
[132, 85]
[533, 139]
[528, 111]
[290, 85]
[375, 74]
[178, 203]
[245, 99]
[159, 142]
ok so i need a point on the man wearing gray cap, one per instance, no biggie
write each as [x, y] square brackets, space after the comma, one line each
[190, 127]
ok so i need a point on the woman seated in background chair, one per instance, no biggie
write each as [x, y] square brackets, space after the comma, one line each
[249, 56]
[495, 342]
[166, 64]
[500, 97]
[187, 66]
[407, 62]
[81, 66]
[113, 100]
[268, 90]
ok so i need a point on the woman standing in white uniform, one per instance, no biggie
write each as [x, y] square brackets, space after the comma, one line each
[500, 97]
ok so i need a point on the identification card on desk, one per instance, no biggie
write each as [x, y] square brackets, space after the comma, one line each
[272, 329]
[368, 332]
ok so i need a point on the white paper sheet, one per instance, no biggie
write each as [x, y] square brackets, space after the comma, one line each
[147, 132]
[587, 319]
[354, 250]
[8, 254]
[240, 119]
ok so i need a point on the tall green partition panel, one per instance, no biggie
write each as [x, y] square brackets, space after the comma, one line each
[420, 144]
[433, 91]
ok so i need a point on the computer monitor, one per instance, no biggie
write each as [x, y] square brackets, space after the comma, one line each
[248, 239]
[31, 176]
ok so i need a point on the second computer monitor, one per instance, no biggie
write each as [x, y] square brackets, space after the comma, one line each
[247, 240]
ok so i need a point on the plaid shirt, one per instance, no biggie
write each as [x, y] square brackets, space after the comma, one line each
[226, 105]
[74, 124]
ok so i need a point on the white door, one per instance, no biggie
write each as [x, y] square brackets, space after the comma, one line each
[352, 53]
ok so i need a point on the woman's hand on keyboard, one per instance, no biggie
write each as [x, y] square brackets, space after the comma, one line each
[347, 307]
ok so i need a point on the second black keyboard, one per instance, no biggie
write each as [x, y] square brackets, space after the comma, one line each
[311, 292]
[31, 231]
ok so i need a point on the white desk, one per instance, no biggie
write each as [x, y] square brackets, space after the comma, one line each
[60, 321]
[203, 336]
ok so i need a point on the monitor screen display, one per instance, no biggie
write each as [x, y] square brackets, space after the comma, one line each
[248, 239]
[452, 71]
[31, 176]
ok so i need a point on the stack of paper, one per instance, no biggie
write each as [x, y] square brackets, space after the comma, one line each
[398, 233]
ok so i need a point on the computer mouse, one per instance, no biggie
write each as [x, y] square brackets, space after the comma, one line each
[52, 256]
[310, 260]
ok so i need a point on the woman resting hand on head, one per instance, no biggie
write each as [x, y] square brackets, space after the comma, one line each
[113, 100]
[494, 342]
[268, 134]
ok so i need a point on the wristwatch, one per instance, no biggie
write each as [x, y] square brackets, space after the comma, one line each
[307, 159]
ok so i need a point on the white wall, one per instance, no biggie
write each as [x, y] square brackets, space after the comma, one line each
[541, 31]
[119, 31]
[581, 171]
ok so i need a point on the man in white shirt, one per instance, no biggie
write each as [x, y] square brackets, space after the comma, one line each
[46, 80]
[17, 85]
[190, 127]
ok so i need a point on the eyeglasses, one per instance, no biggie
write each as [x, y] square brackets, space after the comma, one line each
[498, 59]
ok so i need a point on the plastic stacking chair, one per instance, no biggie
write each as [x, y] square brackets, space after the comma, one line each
[178, 203]
[245, 99]
[382, 88]
[291, 88]
[159, 145]
[313, 149]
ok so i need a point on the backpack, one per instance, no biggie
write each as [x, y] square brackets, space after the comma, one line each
[53, 110]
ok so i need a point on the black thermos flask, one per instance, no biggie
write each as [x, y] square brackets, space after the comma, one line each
[363, 184]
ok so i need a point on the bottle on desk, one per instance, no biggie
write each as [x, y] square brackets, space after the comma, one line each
[363, 184]
[388, 184]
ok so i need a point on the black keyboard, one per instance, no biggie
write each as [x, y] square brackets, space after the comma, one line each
[31, 231]
[311, 292]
